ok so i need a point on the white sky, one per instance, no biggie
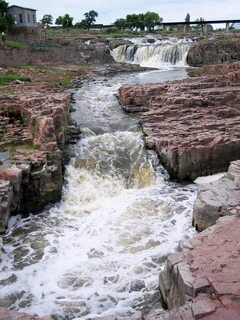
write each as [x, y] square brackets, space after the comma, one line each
[110, 10]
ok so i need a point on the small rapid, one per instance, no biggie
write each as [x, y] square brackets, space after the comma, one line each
[100, 250]
[154, 53]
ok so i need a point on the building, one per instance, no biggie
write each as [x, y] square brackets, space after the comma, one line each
[25, 19]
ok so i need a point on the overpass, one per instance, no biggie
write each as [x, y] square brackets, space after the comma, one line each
[182, 24]
[201, 23]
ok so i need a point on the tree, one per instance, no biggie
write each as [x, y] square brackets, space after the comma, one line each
[201, 19]
[47, 19]
[132, 21]
[6, 20]
[59, 21]
[152, 19]
[187, 18]
[120, 24]
[90, 18]
[65, 21]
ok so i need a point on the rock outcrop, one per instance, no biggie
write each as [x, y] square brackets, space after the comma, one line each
[213, 51]
[6, 314]
[205, 276]
[194, 124]
[34, 130]
[58, 51]
[218, 198]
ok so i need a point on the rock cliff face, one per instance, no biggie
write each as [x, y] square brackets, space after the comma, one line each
[204, 277]
[218, 198]
[58, 51]
[194, 124]
[213, 52]
[33, 132]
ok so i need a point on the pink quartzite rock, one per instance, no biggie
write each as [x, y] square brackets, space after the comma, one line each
[6, 314]
[218, 198]
[36, 127]
[205, 276]
[194, 124]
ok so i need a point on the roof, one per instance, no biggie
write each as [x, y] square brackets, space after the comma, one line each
[21, 8]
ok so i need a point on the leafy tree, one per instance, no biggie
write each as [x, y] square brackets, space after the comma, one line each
[65, 21]
[6, 20]
[120, 24]
[152, 19]
[132, 21]
[90, 18]
[59, 21]
[187, 18]
[47, 19]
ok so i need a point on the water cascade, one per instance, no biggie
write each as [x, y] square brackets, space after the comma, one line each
[100, 250]
[157, 54]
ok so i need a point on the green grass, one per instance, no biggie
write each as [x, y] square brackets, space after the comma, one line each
[10, 77]
[16, 44]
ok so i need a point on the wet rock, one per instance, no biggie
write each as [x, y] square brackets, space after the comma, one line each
[111, 279]
[94, 253]
[137, 285]
[10, 280]
[186, 146]
[218, 198]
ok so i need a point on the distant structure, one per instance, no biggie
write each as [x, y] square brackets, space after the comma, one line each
[25, 19]
[235, 26]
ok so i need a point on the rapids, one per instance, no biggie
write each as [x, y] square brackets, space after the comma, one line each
[100, 250]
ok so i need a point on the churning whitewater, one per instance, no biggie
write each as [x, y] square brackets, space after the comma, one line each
[100, 250]
[154, 52]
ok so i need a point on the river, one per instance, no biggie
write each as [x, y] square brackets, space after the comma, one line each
[101, 249]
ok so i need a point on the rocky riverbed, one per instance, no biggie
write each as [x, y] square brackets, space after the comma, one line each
[194, 125]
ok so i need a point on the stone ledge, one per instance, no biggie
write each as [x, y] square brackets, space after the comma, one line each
[218, 198]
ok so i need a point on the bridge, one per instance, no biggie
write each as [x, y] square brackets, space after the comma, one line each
[182, 24]
[203, 24]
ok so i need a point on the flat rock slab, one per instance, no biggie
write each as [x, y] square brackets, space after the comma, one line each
[193, 124]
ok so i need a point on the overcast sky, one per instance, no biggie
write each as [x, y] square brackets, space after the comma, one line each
[110, 10]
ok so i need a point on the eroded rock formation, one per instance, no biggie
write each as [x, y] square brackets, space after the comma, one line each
[33, 130]
[206, 269]
[218, 198]
[193, 124]
[214, 51]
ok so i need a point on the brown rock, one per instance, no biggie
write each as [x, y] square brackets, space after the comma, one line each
[193, 124]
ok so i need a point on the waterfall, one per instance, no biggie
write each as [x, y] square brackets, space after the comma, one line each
[160, 54]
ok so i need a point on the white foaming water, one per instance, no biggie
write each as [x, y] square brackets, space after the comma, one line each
[101, 249]
[159, 54]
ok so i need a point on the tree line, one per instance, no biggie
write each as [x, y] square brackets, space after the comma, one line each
[141, 21]
[66, 21]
